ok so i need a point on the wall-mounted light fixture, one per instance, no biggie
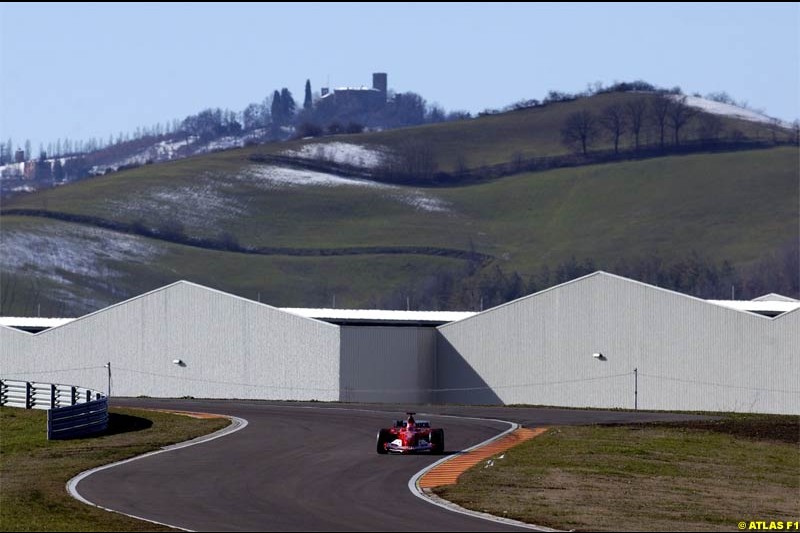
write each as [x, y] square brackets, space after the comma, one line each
[598, 355]
[178, 362]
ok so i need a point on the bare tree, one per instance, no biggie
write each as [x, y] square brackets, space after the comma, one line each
[255, 116]
[613, 119]
[679, 114]
[414, 161]
[659, 109]
[635, 112]
[580, 130]
[435, 113]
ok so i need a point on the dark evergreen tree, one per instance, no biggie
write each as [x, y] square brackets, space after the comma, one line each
[288, 106]
[307, 100]
[407, 109]
[58, 171]
[276, 109]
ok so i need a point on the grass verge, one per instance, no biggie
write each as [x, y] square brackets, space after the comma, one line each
[34, 471]
[697, 476]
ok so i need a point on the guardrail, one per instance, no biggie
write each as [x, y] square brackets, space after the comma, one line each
[71, 411]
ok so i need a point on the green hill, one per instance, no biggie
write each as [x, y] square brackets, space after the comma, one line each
[298, 237]
[536, 132]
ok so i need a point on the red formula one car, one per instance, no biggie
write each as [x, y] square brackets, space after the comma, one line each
[411, 436]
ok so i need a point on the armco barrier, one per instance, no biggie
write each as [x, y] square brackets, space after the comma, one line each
[77, 420]
[71, 411]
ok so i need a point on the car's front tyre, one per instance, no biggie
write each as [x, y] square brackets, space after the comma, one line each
[384, 437]
[437, 441]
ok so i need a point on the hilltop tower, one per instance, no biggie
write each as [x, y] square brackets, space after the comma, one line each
[379, 82]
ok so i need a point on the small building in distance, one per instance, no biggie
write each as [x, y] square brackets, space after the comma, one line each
[356, 99]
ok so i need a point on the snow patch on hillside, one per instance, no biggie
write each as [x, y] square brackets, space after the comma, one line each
[66, 251]
[197, 205]
[166, 150]
[342, 153]
[291, 177]
[223, 143]
[12, 170]
[423, 202]
[729, 110]
[272, 177]
[180, 147]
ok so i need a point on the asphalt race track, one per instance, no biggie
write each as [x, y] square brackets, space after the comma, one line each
[306, 467]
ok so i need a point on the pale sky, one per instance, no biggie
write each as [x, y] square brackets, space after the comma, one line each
[90, 70]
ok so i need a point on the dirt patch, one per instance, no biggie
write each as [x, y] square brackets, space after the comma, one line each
[777, 428]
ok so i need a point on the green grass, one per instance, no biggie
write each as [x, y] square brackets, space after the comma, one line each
[535, 132]
[654, 477]
[727, 204]
[354, 281]
[481, 141]
[737, 206]
[34, 471]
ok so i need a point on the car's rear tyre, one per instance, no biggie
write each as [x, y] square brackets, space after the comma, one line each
[437, 440]
[384, 436]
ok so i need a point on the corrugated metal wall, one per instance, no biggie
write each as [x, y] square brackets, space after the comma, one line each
[230, 348]
[690, 355]
[387, 364]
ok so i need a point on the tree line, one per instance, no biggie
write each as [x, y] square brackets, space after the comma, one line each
[481, 286]
[656, 120]
[278, 116]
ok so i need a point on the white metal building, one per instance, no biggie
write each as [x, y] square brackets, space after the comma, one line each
[183, 340]
[576, 344]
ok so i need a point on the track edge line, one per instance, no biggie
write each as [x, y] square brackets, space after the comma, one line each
[72, 485]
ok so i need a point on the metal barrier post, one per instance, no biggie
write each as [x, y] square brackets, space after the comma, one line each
[108, 366]
[63, 421]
